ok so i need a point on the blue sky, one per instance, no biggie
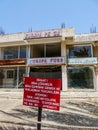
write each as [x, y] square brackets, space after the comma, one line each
[20, 15]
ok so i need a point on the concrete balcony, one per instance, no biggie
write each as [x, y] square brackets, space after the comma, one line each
[91, 37]
[12, 37]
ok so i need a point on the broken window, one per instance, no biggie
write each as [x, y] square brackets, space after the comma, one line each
[79, 51]
[80, 77]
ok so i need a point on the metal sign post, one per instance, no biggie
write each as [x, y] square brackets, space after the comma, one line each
[42, 93]
[39, 118]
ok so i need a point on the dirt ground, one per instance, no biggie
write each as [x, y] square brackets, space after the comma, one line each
[73, 115]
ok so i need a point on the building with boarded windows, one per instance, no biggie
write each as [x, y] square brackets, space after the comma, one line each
[57, 53]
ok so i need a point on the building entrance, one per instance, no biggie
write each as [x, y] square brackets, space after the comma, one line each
[46, 72]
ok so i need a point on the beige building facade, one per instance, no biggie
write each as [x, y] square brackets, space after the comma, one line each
[57, 53]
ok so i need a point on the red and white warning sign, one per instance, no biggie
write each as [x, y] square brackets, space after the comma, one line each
[42, 92]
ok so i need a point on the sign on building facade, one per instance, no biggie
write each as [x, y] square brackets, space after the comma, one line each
[78, 61]
[46, 61]
[43, 34]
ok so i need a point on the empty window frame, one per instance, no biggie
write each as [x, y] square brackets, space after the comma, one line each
[80, 77]
[10, 52]
[14, 52]
[22, 52]
[79, 51]
[46, 50]
[10, 74]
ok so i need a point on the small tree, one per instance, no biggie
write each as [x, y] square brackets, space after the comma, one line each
[1, 31]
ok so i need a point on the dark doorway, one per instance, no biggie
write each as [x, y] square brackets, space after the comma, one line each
[46, 72]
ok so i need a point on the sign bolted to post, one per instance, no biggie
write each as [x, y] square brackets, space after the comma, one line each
[42, 93]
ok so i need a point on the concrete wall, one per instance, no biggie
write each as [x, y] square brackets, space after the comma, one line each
[86, 37]
[95, 51]
[12, 37]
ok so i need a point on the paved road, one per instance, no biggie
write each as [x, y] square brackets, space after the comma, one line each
[15, 116]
